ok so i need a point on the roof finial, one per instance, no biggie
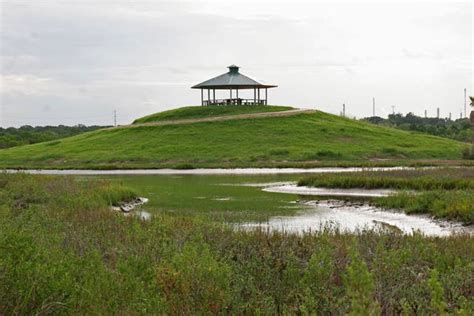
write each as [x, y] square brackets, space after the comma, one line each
[233, 69]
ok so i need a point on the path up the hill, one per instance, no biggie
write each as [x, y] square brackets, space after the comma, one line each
[222, 118]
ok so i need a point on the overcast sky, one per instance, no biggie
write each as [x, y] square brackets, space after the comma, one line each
[70, 62]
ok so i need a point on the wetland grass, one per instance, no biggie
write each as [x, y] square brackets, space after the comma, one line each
[64, 252]
[441, 192]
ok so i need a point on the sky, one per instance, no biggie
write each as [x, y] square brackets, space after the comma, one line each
[76, 62]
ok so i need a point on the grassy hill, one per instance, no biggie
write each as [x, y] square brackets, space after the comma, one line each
[306, 139]
[194, 112]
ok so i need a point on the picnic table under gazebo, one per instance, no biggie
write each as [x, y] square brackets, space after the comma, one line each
[233, 81]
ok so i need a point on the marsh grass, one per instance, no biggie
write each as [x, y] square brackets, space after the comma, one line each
[418, 179]
[64, 252]
[455, 205]
[443, 193]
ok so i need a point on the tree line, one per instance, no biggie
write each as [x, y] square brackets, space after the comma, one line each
[454, 129]
[11, 137]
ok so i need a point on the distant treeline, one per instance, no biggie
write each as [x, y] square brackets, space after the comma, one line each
[443, 127]
[11, 137]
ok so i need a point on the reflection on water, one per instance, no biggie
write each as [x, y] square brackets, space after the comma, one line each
[350, 217]
[294, 189]
[143, 215]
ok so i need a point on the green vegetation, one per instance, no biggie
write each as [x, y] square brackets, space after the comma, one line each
[408, 179]
[308, 139]
[454, 205]
[65, 252]
[11, 137]
[459, 129]
[445, 193]
[194, 112]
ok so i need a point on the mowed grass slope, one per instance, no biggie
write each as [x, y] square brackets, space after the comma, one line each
[194, 112]
[300, 140]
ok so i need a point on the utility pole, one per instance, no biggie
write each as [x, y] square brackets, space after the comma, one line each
[373, 106]
[450, 116]
[115, 118]
[465, 108]
[426, 114]
[344, 110]
[393, 109]
[437, 113]
[471, 118]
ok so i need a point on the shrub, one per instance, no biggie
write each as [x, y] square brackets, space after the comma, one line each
[360, 287]
[193, 281]
[437, 304]
[468, 153]
[321, 154]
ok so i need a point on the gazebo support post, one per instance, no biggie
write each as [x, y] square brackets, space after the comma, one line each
[214, 95]
[208, 96]
[258, 91]
[202, 97]
[254, 96]
[230, 95]
[266, 96]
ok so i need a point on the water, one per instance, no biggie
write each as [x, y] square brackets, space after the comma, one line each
[348, 217]
[292, 188]
[268, 200]
[217, 171]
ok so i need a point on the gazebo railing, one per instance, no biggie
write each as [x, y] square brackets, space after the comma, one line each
[235, 101]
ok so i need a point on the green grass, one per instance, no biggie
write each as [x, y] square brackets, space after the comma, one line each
[315, 139]
[63, 251]
[443, 193]
[193, 112]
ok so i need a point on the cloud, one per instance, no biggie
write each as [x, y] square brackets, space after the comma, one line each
[89, 57]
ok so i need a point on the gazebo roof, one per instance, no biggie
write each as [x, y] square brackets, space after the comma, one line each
[233, 79]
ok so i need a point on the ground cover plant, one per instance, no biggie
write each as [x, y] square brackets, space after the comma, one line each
[441, 192]
[63, 251]
[303, 140]
[193, 112]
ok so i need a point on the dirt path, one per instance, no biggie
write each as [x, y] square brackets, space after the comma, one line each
[222, 118]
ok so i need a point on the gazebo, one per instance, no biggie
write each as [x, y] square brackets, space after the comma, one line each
[233, 81]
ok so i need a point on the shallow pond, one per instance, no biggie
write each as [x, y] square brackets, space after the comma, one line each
[274, 202]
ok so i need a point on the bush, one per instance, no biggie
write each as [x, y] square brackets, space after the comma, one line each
[193, 281]
[468, 153]
[360, 287]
